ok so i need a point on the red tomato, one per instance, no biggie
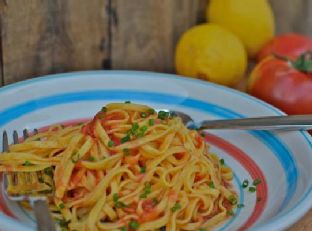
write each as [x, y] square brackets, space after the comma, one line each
[287, 45]
[277, 82]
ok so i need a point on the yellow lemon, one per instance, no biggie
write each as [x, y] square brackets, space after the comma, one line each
[212, 53]
[251, 20]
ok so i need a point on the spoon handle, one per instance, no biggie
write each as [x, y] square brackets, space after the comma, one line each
[286, 123]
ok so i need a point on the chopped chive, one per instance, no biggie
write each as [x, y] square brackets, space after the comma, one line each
[133, 224]
[115, 197]
[233, 200]
[110, 143]
[252, 189]
[123, 229]
[240, 206]
[230, 213]
[63, 223]
[61, 206]
[134, 127]
[143, 195]
[211, 184]
[151, 122]
[104, 109]
[202, 134]
[222, 161]
[143, 169]
[27, 163]
[125, 139]
[256, 182]
[147, 190]
[245, 184]
[126, 151]
[91, 158]
[163, 115]
[48, 171]
[176, 207]
[143, 128]
[143, 114]
[202, 229]
[120, 204]
[151, 111]
[128, 101]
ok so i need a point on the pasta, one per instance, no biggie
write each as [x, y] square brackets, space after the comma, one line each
[129, 168]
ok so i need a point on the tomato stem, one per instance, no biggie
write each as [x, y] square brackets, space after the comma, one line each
[302, 63]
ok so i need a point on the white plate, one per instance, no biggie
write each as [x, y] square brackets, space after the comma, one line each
[283, 161]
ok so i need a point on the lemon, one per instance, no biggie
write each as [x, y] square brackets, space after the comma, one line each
[212, 53]
[251, 20]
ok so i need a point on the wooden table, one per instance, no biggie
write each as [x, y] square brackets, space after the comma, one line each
[45, 36]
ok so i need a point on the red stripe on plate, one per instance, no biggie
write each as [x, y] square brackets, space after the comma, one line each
[253, 169]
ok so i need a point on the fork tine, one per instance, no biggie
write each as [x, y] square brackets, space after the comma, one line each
[5, 144]
[25, 134]
[15, 137]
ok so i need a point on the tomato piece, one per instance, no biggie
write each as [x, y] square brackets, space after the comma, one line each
[179, 155]
[148, 205]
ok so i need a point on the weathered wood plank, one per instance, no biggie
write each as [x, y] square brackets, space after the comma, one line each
[43, 37]
[293, 16]
[144, 33]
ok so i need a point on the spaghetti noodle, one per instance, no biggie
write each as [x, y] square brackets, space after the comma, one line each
[129, 168]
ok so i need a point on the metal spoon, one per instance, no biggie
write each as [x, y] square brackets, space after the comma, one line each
[281, 123]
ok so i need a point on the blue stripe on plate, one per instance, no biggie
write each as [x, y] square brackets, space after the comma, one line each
[272, 142]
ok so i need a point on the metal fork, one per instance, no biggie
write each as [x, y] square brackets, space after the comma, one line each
[37, 201]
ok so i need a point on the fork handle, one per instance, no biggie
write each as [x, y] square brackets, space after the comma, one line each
[43, 216]
[285, 123]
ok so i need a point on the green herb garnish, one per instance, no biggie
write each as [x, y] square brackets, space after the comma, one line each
[245, 184]
[256, 182]
[128, 101]
[143, 169]
[252, 189]
[91, 158]
[133, 224]
[134, 128]
[240, 206]
[230, 213]
[110, 143]
[125, 138]
[151, 122]
[104, 109]
[61, 206]
[48, 171]
[147, 190]
[233, 200]
[176, 207]
[163, 115]
[211, 184]
[27, 163]
[222, 161]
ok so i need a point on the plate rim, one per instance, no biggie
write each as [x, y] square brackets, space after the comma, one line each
[280, 222]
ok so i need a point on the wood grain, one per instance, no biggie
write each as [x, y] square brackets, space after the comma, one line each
[293, 16]
[43, 37]
[144, 32]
